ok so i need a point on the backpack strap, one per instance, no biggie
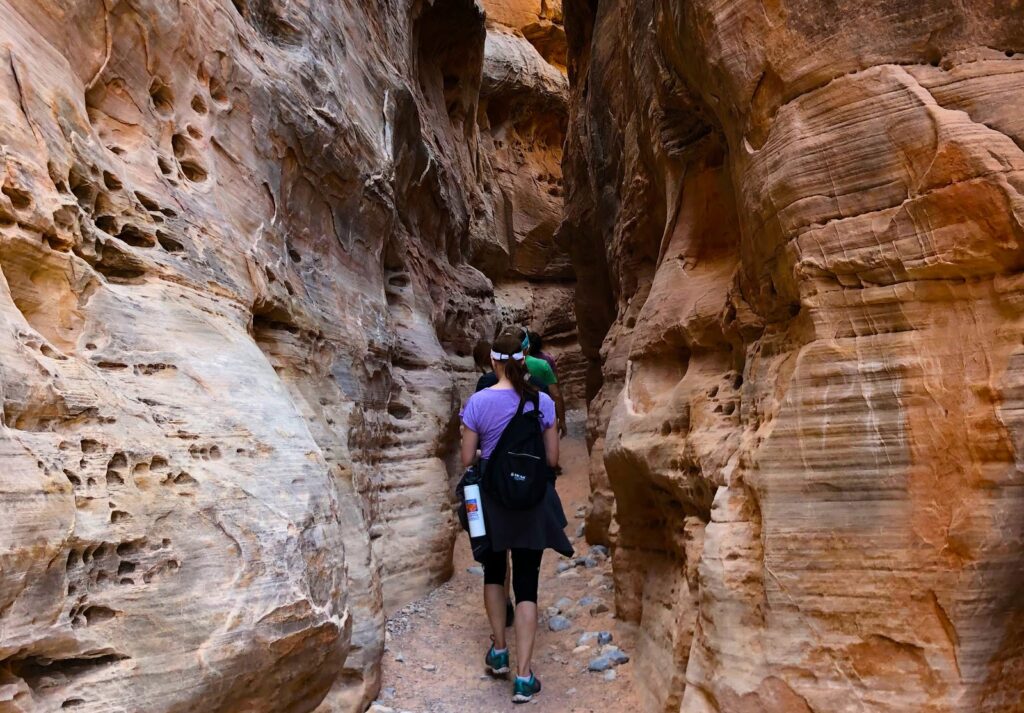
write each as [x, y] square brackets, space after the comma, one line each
[527, 397]
[522, 402]
[535, 400]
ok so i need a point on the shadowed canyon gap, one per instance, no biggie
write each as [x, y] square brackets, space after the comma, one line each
[247, 247]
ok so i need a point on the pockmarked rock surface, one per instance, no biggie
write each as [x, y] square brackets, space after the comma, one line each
[797, 230]
[246, 248]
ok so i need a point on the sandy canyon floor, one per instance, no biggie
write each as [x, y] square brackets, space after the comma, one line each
[435, 649]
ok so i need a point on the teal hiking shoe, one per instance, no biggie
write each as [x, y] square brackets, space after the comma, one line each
[498, 663]
[523, 691]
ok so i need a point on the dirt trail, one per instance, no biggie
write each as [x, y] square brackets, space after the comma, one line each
[434, 657]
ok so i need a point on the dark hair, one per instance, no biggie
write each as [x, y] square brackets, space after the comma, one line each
[482, 354]
[536, 343]
[515, 371]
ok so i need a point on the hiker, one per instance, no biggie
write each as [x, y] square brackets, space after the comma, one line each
[542, 373]
[524, 532]
[482, 359]
[537, 350]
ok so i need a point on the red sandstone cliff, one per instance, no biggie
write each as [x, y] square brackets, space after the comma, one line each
[246, 248]
[797, 230]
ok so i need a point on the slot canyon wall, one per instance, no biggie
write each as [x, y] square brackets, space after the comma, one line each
[797, 230]
[246, 247]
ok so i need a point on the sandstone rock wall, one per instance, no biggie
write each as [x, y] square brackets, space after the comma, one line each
[523, 118]
[238, 298]
[797, 230]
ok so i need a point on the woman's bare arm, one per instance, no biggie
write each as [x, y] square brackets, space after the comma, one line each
[550, 445]
[469, 444]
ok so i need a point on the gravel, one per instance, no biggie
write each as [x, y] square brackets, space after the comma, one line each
[559, 623]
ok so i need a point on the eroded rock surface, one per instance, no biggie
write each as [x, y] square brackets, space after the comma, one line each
[239, 246]
[523, 118]
[798, 233]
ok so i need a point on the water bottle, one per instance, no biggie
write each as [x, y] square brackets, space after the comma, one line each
[474, 511]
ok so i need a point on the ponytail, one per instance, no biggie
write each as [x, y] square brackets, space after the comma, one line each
[508, 345]
[520, 378]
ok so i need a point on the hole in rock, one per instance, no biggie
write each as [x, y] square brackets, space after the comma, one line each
[118, 267]
[179, 144]
[89, 445]
[269, 317]
[111, 181]
[168, 243]
[106, 223]
[199, 105]
[148, 203]
[162, 97]
[136, 238]
[218, 92]
[112, 365]
[119, 516]
[83, 189]
[97, 614]
[193, 171]
[43, 671]
[19, 199]
[399, 410]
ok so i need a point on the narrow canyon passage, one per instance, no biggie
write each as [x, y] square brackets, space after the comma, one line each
[248, 248]
[433, 658]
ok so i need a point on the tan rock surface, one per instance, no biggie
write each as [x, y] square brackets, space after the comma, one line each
[236, 310]
[797, 233]
[523, 114]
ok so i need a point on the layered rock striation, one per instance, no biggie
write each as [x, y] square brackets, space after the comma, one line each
[797, 230]
[523, 118]
[246, 249]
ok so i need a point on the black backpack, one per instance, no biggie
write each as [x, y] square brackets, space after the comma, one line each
[517, 471]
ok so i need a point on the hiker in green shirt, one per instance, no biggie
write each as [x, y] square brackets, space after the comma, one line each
[541, 373]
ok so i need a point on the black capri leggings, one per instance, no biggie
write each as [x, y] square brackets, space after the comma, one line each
[525, 572]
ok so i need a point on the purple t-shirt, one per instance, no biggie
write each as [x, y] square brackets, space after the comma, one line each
[488, 412]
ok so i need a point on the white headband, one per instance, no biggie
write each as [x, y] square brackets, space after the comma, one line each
[518, 356]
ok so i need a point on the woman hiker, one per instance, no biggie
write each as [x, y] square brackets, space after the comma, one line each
[526, 533]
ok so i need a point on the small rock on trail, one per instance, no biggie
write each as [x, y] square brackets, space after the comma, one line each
[448, 631]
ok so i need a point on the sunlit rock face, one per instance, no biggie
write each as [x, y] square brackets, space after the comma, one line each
[236, 310]
[798, 234]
